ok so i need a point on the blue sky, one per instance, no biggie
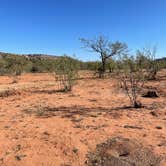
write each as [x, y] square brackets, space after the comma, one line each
[54, 26]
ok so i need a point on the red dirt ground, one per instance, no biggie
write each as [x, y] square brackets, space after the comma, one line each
[93, 112]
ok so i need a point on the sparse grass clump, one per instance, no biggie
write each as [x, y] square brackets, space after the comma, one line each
[39, 110]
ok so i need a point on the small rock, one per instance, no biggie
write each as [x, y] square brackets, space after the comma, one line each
[163, 143]
[19, 157]
[153, 113]
[46, 133]
[158, 127]
[150, 94]
[75, 150]
[6, 127]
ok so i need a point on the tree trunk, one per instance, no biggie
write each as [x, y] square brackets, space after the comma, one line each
[102, 69]
[103, 65]
[137, 104]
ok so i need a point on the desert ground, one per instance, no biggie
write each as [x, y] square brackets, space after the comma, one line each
[41, 126]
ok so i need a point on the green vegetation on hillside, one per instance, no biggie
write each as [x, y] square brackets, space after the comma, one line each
[12, 64]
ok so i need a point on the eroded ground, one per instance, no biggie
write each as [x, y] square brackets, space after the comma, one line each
[41, 126]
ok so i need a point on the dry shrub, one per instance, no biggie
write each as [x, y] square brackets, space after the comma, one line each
[131, 78]
[120, 151]
[9, 92]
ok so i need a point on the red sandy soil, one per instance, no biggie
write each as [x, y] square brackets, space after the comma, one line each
[92, 113]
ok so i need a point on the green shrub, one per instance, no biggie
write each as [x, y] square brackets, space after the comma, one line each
[66, 73]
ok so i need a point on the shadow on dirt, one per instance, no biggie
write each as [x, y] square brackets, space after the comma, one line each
[72, 112]
[49, 91]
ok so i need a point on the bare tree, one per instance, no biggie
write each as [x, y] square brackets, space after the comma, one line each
[104, 48]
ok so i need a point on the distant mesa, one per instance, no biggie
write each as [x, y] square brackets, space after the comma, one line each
[161, 59]
[30, 56]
